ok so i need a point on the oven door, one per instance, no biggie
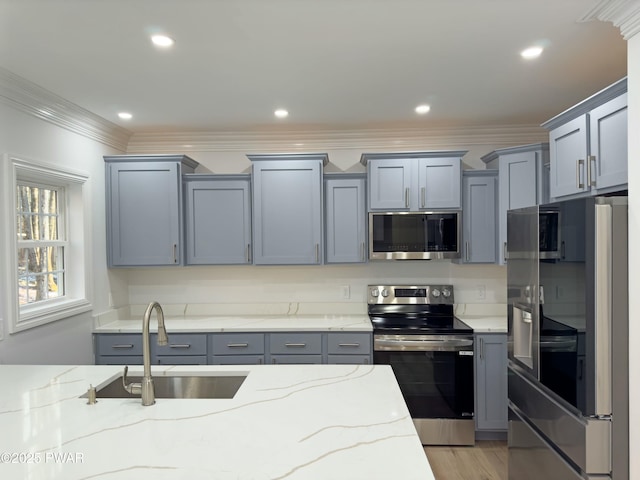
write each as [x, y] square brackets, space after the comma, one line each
[435, 372]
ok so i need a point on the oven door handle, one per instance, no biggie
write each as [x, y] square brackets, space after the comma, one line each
[425, 345]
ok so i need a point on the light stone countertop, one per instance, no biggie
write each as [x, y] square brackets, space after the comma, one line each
[246, 323]
[485, 323]
[286, 421]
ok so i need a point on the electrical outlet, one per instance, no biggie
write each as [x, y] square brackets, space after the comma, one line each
[110, 299]
[345, 291]
[481, 292]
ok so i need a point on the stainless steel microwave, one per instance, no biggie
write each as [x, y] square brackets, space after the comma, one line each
[414, 235]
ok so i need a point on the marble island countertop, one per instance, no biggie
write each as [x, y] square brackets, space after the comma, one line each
[285, 421]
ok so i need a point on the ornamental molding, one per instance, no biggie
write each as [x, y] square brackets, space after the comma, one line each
[29, 98]
[624, 14]
[321, 140]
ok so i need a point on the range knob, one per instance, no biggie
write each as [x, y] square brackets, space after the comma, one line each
[385, 292]
[435, 293]
[446, 293]
[375, 292]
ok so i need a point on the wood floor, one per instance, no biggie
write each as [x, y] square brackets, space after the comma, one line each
[486, 461]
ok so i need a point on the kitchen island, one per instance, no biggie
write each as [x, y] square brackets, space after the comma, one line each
[286, 421]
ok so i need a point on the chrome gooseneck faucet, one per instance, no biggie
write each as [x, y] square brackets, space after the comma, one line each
[145, 387]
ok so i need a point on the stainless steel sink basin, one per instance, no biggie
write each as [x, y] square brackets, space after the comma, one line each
[187, 386]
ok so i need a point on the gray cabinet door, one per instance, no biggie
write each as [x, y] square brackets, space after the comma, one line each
[480, 227]
[438, 183]
[143, 210]
[218, 221]
[390, 184]
[287, 212]
[346, 220]
[608, 144]
[491, 382]
[568, 151]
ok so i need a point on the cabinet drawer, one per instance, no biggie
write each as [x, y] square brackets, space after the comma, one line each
[180, 344]
[180, 360]
[119, 360]
[296, 359]
[119, 344]
[237, 343]
[296, 343]
[349, 359]
[237, 359]
[349, 343]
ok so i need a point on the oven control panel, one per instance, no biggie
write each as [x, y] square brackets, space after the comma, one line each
[410, 294]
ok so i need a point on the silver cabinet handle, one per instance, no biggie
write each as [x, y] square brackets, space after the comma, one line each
[481, 348]
[248, 253]
[423, 197]
[295, 345]
[591, 175]
[578, 173]
[175, 253]
[353, 345]
[466, 247]
[505, 255]
[180, 345]
[237, 345]
[406, 197]
[123, 345]
[317, 253]
[362, 251]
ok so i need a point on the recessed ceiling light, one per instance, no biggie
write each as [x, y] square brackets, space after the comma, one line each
[125, 115]
[422, 109]
[531, 52]
[162, 40]
[281, 113]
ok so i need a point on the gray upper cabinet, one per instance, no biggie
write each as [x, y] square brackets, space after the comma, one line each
[287, 208]
[345, 218]
[218, 219]
[479, 216]
[414, 181]
[522, 182]
[143, 209]
[588, 145]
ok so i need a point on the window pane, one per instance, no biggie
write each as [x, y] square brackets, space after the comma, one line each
[38, 213]
[40, 274]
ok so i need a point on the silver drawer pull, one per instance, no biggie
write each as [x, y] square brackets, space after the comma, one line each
[180, 345]
[124, 345]
[237, 345]
[354, 345]
[295, 345]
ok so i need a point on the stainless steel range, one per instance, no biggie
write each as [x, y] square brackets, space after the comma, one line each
[431, 354]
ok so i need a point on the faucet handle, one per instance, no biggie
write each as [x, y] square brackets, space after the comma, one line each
[133, 388]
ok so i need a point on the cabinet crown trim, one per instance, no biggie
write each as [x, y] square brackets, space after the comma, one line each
[491, 156]
[595, 100]
[185, 160]
[402, 155]
[323, 157]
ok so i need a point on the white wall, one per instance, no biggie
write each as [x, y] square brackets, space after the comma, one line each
[633, 69]
[66, 341]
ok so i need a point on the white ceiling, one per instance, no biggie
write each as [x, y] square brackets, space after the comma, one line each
[348, 64]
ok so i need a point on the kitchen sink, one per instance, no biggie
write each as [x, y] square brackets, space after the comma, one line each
[178, 386]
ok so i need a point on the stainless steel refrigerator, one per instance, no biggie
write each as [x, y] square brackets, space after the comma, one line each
[567, 276]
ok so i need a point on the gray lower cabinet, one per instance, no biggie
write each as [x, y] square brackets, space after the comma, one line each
[182, 349]
[491, 393]
[118, 348]
[217, 219]
[345, 218]
[287, 209]
[236, 348]
[522, 182]
[144, 209]
[588, 145]
[479, 216]
[414, 181]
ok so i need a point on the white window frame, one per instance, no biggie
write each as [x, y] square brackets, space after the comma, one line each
[77, 298]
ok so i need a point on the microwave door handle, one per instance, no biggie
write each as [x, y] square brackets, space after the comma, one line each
[441, 228]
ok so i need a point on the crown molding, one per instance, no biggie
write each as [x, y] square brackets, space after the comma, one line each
[321, 140]
[622, 13]
[34, 100]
